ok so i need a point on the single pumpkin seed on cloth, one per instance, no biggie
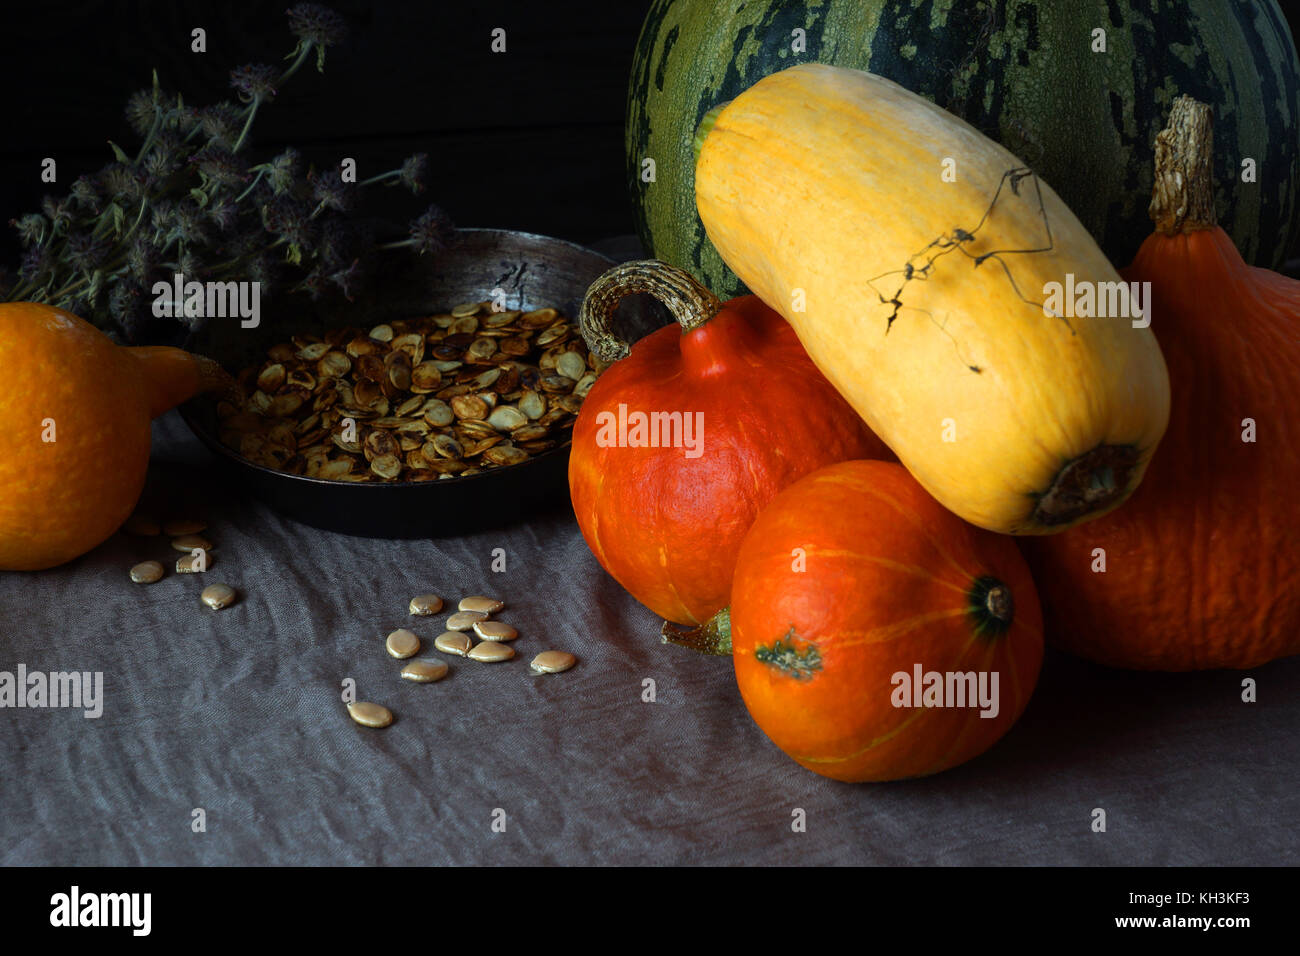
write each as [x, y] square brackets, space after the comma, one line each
[480, 604]
[141, 526]
[464, 620]
[423, 605]
[180, 526]
[370, 715]
[453, 642]
[218, 596]
[490, 652]
[424, 672]
[188, 542]
[193, 564]
[402, 643]
[147, 572]
[553, 662]
[495, 631]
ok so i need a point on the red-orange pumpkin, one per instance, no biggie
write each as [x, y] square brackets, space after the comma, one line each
[743, 412]
[852, 590]
[1201, 568]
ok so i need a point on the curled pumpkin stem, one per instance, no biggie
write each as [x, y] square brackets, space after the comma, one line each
[690, 303]
[1182, 199]
[711, 637]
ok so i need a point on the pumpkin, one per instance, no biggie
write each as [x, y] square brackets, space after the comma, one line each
[75, 446]
[874, 635]
[680, 442]
[1201, 568]
[1024, 73]
[944, 312]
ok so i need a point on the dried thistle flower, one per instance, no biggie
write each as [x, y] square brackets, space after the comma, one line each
[431, 231]
[413, 170]
[141, 111]
[254, 81]
[221, 123]
[191, 199]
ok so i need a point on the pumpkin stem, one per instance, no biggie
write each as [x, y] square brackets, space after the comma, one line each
[690, 303]
[173, 376]
[711, 637]
[1182, 199]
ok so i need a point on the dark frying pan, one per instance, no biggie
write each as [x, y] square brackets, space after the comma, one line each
[533, 270]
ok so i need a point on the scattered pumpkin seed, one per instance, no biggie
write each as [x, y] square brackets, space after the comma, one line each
[480, 604]
[141, 527]
[464, 620]
[423, 605]
[402, 643]
[453, 642]
[425, 672]
[189, 564]
[188, 542]
[147, 572]
[553, 662]
[180, 526]
[217, 596]
[464, 309]
[370, 715]
[490, 652]
[495, 631]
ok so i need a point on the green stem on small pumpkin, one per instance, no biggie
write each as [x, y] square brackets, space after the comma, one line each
[711, 637]
[690, 303]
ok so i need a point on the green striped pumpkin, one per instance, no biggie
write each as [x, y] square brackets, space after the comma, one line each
[1021, 71]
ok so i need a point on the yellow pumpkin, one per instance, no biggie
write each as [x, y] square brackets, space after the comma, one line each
[943, 289]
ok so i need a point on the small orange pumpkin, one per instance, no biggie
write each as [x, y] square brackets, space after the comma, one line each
[854, 588]
[666, 521]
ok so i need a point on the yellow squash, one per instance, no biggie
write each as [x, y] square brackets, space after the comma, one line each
[946, 291]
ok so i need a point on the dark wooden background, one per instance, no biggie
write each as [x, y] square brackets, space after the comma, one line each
[530, 139]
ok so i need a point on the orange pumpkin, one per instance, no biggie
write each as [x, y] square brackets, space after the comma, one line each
[854, 589]
[1201, 568]
[753, 414]
[74, 446]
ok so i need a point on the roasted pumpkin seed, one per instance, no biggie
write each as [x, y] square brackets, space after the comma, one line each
[190, 564]
[147, 572]
[464, 620]
[141, 526]
[425, 672]
[453, 642]
[179, 526]
[423, 605]
[495, 631]
[553, 662]
[370, 715]
[490, 652]
[217, 596]
[480, 604]
[188, 542]
[402, 643]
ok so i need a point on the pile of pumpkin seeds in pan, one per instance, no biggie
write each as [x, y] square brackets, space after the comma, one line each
[472, 615]
[436, 397]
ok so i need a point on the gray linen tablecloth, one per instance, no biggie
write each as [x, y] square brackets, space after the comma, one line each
[238, 713]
